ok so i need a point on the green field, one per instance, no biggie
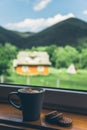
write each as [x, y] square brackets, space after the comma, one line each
[57, 78]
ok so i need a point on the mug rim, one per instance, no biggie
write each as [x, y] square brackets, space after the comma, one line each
[41, 90]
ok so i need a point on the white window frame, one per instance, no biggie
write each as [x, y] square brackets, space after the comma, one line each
[60, 99]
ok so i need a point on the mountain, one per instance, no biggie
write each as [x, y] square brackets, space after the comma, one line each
[13, 37]
[24, 34]
[68, 32]
[10, 36]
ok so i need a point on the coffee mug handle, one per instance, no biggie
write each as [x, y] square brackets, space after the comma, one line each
[11, 102]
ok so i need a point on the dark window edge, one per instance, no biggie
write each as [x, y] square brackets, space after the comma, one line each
[65, 100]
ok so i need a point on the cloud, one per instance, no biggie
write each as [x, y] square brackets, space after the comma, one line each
[85, 12]
[36, 25]
[42, 4]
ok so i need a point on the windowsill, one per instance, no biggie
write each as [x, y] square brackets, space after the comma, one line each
[12, 118]
[71, 103]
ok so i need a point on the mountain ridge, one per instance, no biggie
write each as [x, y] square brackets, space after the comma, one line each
[67, 32]
[62, 33]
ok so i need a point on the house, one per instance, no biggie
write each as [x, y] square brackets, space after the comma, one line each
[32, 63]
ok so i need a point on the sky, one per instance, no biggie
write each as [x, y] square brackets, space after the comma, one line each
[36, 15]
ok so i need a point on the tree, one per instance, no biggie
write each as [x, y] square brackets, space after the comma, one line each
[83, 58]
[60, 57]
[7, 52]
[50, 50]
[72, 55]
[4, 62]
[41, 48]
[64, 56]
[10, 50]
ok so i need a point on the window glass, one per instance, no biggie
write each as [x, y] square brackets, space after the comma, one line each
[40, 68]
[24, 68]
[44, 41]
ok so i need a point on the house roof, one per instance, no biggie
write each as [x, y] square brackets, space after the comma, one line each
[32, 58]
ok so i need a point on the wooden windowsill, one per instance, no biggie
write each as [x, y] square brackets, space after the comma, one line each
[11, 119]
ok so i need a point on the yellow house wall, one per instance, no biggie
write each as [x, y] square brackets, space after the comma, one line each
[32, 70]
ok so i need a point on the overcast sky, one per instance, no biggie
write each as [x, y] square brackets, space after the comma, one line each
[36, 15]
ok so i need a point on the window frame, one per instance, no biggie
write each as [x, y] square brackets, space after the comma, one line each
[69, 100]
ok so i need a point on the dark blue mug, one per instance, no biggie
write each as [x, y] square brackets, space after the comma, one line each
[31, 102]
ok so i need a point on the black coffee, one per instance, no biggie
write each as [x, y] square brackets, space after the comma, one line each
[30, 90]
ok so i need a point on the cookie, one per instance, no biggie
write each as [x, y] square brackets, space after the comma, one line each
[55, 118]
[65, 122]
[50, 115]
[58, 119]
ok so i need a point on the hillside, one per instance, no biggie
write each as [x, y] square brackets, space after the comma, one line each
[24, 34]
[68, 32]
[13, 37]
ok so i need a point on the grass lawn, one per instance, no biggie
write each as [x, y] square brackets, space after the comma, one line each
[57, 78]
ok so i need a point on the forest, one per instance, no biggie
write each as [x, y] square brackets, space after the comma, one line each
[60, 57]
